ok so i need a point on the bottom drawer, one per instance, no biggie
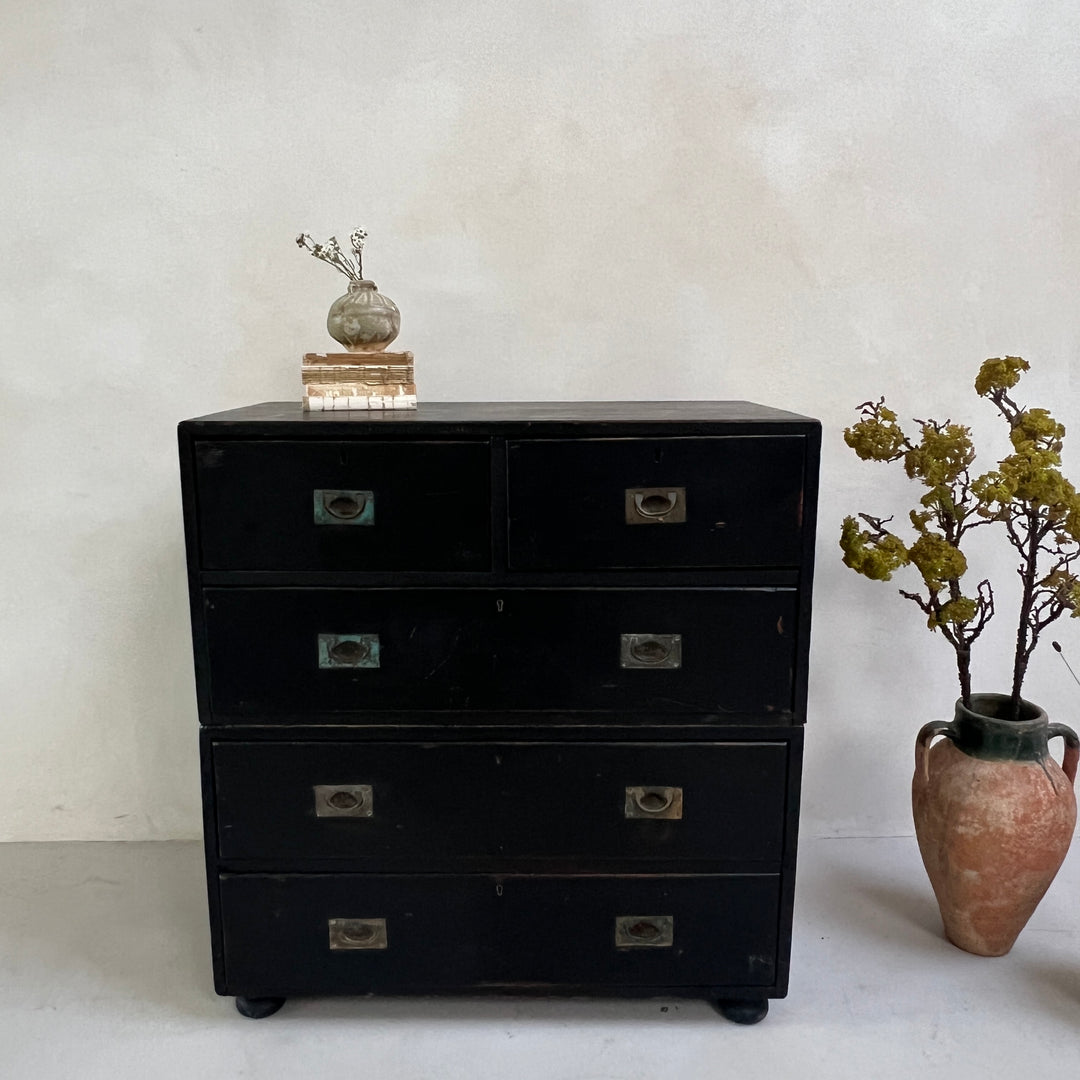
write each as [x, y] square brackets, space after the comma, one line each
[360, 933]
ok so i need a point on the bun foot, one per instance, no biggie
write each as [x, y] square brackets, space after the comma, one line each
[255, 1008]
[743, 1011]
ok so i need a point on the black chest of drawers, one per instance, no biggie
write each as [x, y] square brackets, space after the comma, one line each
[501, 697]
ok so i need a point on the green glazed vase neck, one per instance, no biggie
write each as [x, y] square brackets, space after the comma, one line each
[987, 731]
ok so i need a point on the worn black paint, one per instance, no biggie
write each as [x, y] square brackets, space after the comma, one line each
[742, 498]
[450, 931]
[502, 804]
[499, 649]
[499, 731]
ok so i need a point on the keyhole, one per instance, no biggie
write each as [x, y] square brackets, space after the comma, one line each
[498, 605]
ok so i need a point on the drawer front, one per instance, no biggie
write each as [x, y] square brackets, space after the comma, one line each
[272, 651]
[431, 932]
[355, 505]
[731, 501]
[730, 651]
[292, 652]
[429, 806]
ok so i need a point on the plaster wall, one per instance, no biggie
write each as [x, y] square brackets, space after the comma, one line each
[806, 205]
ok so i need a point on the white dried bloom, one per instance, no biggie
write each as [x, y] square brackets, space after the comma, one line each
[330, 252]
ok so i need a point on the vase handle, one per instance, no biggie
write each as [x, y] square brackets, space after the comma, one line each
[1072, 749]
[922, 744]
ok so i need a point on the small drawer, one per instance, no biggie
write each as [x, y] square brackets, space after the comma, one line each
[361, 505]
[294, 652]
[731, 501]
[727, 651]
[437, 806]
[445, 932]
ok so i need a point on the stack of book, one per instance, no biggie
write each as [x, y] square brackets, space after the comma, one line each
[376, 380]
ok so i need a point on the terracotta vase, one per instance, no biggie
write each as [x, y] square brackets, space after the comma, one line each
[994, 815]
[363, 320]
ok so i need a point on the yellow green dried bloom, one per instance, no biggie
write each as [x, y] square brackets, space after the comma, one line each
[992, 489]
[941, 456]
[956, 612]
[876, 439]
[1035, 478]
[940, 498]
[937, 560]
[873, 557]
[1037, 426]
[1071, 525]
[920, 519]
[999, 373]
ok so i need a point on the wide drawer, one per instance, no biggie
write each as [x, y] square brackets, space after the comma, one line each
[730, 501]
[439, 805]
[363, 933]
[345, 505]
[293, 652]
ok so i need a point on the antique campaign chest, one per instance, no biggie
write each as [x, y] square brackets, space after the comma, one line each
[501, 697]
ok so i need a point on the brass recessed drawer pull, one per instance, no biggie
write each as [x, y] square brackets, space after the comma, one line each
[344, 800]
[654, 802]
[357, 934]
[650, 651]
[348, 650]
[655, 506]
[336, 507]
[644, 931]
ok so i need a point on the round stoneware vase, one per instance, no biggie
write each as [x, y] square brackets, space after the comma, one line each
[994, 815]
[363, 320]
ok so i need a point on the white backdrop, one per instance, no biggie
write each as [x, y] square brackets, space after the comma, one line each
[805, 205]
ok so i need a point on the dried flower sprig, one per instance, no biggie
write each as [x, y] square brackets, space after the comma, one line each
[940, 460]
[330, 252]
[1026, 494]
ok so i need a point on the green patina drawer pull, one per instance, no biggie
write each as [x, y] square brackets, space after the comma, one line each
[348, 650]
[338, 507]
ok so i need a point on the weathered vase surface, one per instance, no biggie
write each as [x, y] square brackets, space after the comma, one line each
[363, 320]
[994, 816]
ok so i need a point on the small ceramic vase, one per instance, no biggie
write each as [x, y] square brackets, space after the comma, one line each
[363, 320]
[994, 816]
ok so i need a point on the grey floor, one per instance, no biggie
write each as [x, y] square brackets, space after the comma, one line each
[104, 972]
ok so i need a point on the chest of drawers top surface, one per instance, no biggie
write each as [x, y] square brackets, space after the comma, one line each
[278, 418]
